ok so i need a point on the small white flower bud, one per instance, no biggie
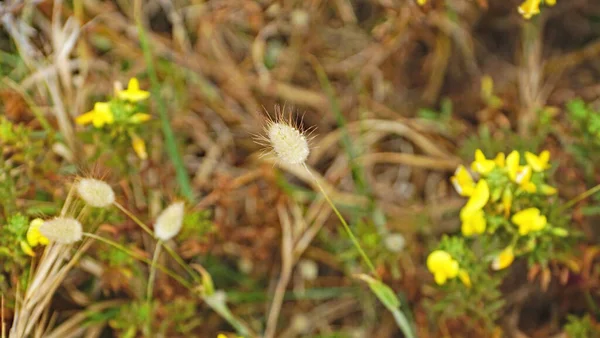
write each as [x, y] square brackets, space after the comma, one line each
[169, 222]
[95, 192]
[394, 242]
[289, 144]
[63, 230]
[308, 269]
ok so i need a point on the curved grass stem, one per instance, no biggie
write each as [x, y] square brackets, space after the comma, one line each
[346, 226]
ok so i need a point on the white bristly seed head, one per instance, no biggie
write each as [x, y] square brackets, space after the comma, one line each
[95, 192]
[63, 230]
[169, 222]
[395, 242]
[289, 144]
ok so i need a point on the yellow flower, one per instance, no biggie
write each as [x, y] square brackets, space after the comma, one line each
[504, 259]
[99, 116]
[529, 220]
[512, 164]
[550, 2]
[442, 266]
[548, 190]
[530, 8]
[140, 118]
[477, 201]
[463, 182]
[481, 164]
[34, 237]
[473, 223]
[133, 92]
[421, 2]
[464, 277]
[538, 163]
[139, 146]
[500, 160]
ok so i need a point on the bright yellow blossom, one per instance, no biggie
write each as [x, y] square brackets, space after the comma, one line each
[138, 118]
[519, 174]
[473, 223]
[481, 164]
[529, 8]
[464, 277]
[478, 199]
[500, 160]
[34, 237]
[512, 164]
[139, 146]
[504, 259]
[529, 220]
[463, 182]
[133, 92]
[99, 116]
[538, 163]
[548, 190]
[442, 266]
[550, 2]
[421, 2]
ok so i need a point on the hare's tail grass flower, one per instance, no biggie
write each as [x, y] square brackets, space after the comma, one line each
[63, 230]
[95, 193]
[169, 222]
[290, 144]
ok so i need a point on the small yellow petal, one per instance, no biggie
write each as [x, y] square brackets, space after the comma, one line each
[504, 259]
[133, 92]
[421, 2]
[500, 160]
[550, 2]
[34, 237]
[538, 163]
[139, 146]
[481, 164]
[27, 249]
[463, 182]
[140, 118]
[512, 164]
[464, 277]
[529, 8]
[548, 190]
[84, 119]
[478, 199]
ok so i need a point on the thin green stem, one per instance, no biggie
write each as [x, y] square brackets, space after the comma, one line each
[180, 171]
[152, 275]
[134, 218]
[141, 258]
[580, 197]
[170, 251]
[346, 226]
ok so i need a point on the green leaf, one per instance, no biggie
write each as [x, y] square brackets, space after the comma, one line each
[383, 292]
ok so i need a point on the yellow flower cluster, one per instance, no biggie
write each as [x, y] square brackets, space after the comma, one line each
[106, 113]
[444, 267]
[34, 237]
[500, 180]
[530, 8]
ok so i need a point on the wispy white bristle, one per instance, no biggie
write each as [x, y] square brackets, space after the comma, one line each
[169, 222]
[395, 242]
[64, 230]
[95, 192]
[289, 144]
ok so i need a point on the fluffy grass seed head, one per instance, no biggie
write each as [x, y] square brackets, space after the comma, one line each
[289, 143]
[63, 230]
[169, 222]
[95, 192]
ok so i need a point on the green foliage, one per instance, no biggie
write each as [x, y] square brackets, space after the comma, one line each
[479, 303]
[585, 124]
[581, 327]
